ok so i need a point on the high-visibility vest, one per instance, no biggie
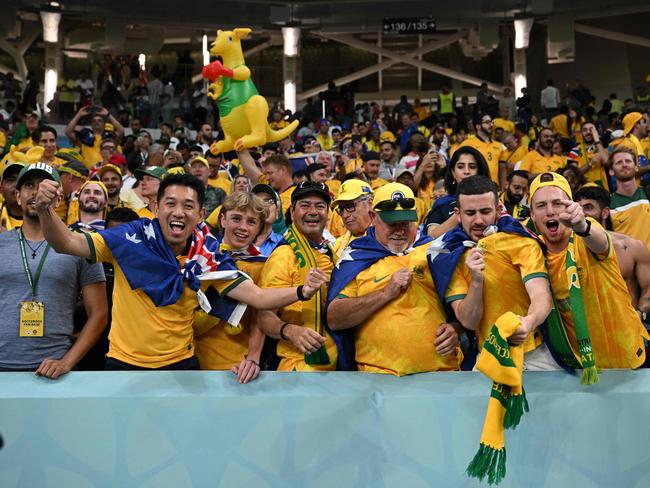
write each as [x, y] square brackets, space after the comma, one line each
[446, 103]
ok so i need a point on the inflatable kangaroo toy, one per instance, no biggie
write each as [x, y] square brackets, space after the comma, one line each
[242, 109]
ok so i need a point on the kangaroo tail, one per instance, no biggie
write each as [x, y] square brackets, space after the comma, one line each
[276, 135]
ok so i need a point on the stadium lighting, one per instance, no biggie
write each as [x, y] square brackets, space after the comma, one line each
[51, 79]
[520, 82]
[290, 95]
[50, 22]
[142, 59]
[206, 53]
[522, 32]
[291, 38]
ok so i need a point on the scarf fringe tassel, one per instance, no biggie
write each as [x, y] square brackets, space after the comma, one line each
[589, 376]
[517, 405]
[488, 462]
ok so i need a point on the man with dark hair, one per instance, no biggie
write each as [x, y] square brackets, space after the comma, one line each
[45, 136]
[305, 344]
[39, 288]
[388, 166]
[513, 198]
[542, 159]
[591, 156]
[157, 283]
[11, 213]
[119, 216]
[150, 179]
[111, 176]
[504, 272]
[492, 151]
[214, 197]
[371, 165]
[633, 255]
[89, 141]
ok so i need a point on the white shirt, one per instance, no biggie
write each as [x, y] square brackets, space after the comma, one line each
[550, 97]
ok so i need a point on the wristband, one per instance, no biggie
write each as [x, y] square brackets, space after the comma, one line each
[301, 296]
[282, 336]
[586, 231]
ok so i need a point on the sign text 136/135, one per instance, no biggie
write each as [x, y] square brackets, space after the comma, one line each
[416, 25]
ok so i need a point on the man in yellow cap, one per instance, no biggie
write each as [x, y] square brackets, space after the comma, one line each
[92, 207]
[214, 197]
[111, 176]
[353, 210]
[382, 286]
[600, 327]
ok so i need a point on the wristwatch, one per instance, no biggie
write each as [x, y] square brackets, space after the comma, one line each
[586, 232]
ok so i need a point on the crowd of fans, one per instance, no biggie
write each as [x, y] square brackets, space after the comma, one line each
[345, 232]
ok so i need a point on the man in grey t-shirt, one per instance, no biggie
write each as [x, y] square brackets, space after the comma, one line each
[48, 349]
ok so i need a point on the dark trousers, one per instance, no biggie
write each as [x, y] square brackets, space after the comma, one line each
[113, 364]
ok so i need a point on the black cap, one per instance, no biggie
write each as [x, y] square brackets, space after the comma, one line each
[370, 156]
[312, 168]
[263, 188]
[311, 188]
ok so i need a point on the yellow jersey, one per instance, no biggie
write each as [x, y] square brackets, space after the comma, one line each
[426, 194]
[325, 142]
[91, 154]
[335, 225]
[222, 181]
[377, 183]
[7, 220]
[559, 125]
[285, 198]
[516, 155]
[399, 338]
[583, 155]
[145, 212]
[510, 261]
[143, 334]
[615, 329]
[280, 271]
[631, 215]
[492, 151]
[222, 346]
[534, 162]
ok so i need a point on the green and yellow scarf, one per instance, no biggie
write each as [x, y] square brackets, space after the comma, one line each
[312, 312]
[557, 335]
[503, 363]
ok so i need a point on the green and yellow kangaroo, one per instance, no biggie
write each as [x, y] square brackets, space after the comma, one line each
[242, 109]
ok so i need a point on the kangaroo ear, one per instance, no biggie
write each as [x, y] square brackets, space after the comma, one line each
[242, 32]
[219, 32]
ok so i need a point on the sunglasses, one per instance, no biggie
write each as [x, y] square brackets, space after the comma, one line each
[312, 184]
[393, 203]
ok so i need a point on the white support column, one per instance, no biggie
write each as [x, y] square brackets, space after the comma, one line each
[379, 57]
[420, 59]
[612, 35]
[17, 52]
[290, 63]
[522, 39]
[51, 20]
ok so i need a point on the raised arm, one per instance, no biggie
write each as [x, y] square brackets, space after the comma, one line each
[250, 168]
[344, 313]
[57, 234]
[72, 125]
[574, 217]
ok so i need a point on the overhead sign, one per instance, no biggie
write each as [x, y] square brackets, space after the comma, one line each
[411, 25]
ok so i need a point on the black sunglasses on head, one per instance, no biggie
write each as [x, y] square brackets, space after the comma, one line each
[312, 184]
[405, 203]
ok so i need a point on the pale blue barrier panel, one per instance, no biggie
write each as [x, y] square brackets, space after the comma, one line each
[202, 429]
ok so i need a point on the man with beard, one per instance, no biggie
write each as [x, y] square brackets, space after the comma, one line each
[513, 198]
[111, 176]
[388, 166]
[503, 272]
[630, 209]
[204, 137]
[371, 165]
[492, 151]
[378, 278]
[599, 329]
[89, 141]
[633, 255]
[305, 344]
[38, 290]
[591, 156]
[11, 214]
[542, 159]
[92, 207]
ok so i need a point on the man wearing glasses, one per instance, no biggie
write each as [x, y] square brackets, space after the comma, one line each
[354, 209]
[304, 344]
[382, 286]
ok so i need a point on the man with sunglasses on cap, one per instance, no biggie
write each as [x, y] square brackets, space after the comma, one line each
[304, 345]
[382, 286]
[353, 209]
[600, 328]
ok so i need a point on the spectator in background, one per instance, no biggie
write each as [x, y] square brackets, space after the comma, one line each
[550, 100]
[507, 105]
[86, 88]
[200, 168]
[89, 140]
[155, 89]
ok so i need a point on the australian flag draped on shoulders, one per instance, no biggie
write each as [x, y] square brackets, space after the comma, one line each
[149, 264]
[445, 253]
[358, 256]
